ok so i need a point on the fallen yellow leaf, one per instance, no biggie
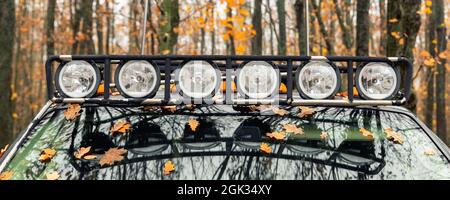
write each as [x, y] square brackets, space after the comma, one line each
[82, 152]
[72, 112]
[366, 133]
[279, 111]
[305, 111]
[121, 126]
[393, 136]
[168, 168]
[47, 155]
[193, 124]
[90, 157]
[52, 176]
[4, 176]
[265, 148]
[292, 128]
[112, 155]
[276, 135]
[324, 136]
[429, 152]
[171, 109]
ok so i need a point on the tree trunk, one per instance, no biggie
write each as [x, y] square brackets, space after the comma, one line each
[301, 26]
[362, 27]
[382, 47]
[441, 126]
[170, 19]
[82, 26]
[429, 102]
[7, 24]
[346, 34]
[281, 27]
[99, 23]
[393, 12]
[50, 27]
[257, 26]
[323, 29]
[410, 25]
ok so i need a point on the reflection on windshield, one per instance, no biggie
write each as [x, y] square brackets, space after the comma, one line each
[226, 146]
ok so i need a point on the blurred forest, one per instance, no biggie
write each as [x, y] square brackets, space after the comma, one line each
[30, 30]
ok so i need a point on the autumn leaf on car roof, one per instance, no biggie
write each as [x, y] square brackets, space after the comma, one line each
[193, 124]
[292, 128]
[72, 112]
[112, 156]
[3, 150]
[171, 109]
[47, 155]
[305, 111]
[265, 148]
[324, 136]
[429, 152]
[366, 133]
[82, 152]
[121, 127]
[168, 168]
[52, 176]
[280, 111]
[276, 135]
[4, 176]
[393, 136]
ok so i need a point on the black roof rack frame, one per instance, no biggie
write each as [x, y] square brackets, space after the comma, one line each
[169, 63]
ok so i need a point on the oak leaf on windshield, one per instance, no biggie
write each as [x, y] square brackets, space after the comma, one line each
[82, 152]
[4, 176]
[47, 155]
[429, 152]
[52, 176]
[171, 109]
[112, 156]
[121, 127]
[276, 135]
[279, 111]
[305, 111]
[366, 133]
[393, 136]
[72, 112]
[193, 124]
[168, 168]
[292, 128]
[324, 136]
[265, 148]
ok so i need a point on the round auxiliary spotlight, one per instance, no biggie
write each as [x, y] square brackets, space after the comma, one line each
[198, 79]
[137, 79]
[77, 79]
[377, 81]
[318, 80]
[258, 79]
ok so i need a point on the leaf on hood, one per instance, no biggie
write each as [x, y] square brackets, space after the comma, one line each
[265, 148]
[47, 155]
[429, 152]
[82, 152]
[324, 136]
[305, 111]
[3, 150]
[168, 168]
[52, 176]
[193, 124]
[151, 108]
[276, 135]
[366, 133]
[121, 127]
[393, 136]
[171, 109]
[4, 176]
[72, 112]
[292, 128]
[112, 155]
[279, 111]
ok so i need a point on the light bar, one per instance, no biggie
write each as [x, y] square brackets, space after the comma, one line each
[257, 80]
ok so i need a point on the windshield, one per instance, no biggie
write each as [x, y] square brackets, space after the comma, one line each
[226, 145]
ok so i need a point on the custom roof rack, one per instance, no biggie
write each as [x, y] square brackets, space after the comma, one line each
[290, 68]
